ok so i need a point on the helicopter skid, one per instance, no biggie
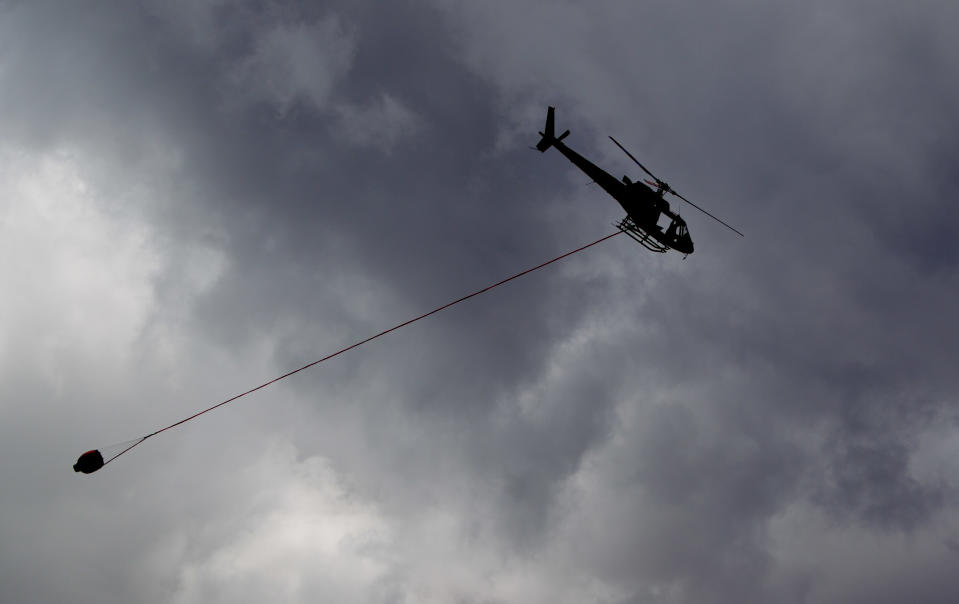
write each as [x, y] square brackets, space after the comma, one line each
[628, 226]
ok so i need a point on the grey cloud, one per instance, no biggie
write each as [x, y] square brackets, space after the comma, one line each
[269, 182]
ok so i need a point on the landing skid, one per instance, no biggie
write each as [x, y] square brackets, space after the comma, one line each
[629, 227]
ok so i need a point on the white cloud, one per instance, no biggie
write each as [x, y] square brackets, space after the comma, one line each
[295, 535]
[842, 563]
[77, 277]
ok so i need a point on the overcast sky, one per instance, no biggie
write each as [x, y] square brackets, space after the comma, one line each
[196, 197]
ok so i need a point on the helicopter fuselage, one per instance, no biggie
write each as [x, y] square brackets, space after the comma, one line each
[643, 205]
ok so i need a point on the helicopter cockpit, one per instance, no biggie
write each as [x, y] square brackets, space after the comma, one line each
[653, 238]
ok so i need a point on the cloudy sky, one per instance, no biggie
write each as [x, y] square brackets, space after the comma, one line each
[196, 197]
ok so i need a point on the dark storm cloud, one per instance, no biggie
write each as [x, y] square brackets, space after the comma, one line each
[829, 322]
[622, 428]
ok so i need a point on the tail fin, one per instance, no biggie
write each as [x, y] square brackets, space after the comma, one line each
[549, 138]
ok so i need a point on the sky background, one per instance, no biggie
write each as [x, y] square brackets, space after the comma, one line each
[196, 197]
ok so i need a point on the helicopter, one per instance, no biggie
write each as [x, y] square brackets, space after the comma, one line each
[645, 207]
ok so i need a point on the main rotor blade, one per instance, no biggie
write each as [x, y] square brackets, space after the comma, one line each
[705, 212]
[634, 159]
[670, 189]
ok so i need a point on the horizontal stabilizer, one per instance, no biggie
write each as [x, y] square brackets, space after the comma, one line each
[549, 133]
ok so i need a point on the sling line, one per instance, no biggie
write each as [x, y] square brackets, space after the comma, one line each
[361, 342]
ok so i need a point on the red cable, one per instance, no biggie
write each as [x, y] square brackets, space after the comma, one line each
[360, 343]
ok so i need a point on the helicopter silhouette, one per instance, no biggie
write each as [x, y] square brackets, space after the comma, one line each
[644, 206]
